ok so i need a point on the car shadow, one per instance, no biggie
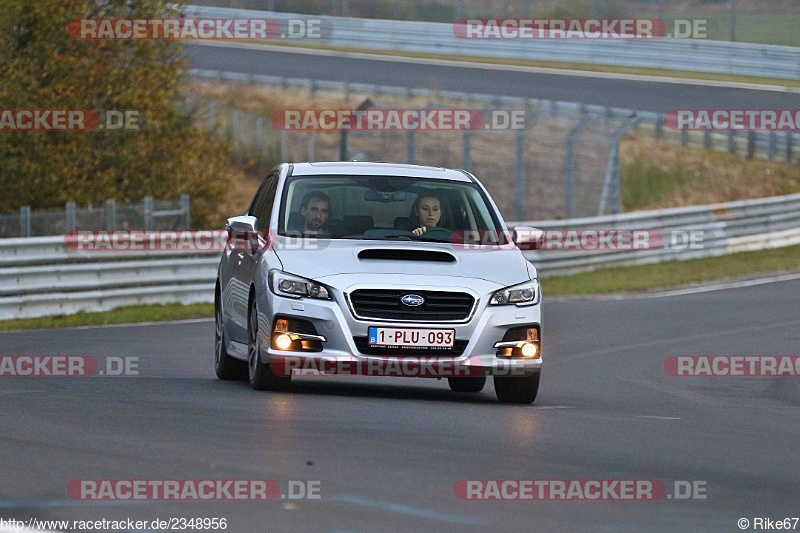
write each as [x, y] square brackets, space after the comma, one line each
[423, 392]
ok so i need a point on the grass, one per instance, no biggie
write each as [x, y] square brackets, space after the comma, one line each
[121, 315]
[763, 29]
[657, 175]
[610, 280]
[562, 65]
[674, 273]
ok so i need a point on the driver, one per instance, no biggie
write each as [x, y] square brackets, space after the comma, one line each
[428, 212]
[315, 209]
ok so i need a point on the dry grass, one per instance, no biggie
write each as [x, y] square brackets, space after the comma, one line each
[656, 175]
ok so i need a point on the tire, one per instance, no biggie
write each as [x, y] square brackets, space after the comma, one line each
[473, 384]
[260, 375]
[517, 389]
[225, 366]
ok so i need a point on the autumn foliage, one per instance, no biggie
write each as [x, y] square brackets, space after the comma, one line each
[42, 67]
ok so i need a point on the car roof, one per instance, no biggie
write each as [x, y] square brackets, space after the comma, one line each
[365, 168]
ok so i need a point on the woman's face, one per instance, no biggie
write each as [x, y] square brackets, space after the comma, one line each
[429, 211]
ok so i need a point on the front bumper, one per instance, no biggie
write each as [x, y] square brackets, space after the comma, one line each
[335, 321]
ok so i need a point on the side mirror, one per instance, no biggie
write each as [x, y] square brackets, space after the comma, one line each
[528, 238]
[242, 232]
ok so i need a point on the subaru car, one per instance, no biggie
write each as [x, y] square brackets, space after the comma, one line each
[369, 264]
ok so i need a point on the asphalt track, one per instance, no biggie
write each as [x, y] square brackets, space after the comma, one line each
[627, 93]
[388, 451]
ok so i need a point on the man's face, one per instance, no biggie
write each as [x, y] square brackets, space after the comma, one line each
[316, 214]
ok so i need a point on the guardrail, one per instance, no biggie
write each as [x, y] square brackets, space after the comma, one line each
[432, 37]
[720, 229]
[42, 276]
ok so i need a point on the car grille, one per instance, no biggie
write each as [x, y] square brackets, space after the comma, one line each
[362, 343]
[439, 306]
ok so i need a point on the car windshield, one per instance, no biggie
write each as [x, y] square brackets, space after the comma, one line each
[383, 208]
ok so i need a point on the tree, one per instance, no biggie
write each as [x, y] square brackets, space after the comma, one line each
[42, 67]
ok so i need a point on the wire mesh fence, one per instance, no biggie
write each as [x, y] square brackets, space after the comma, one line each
[147, 214]
[556, 167]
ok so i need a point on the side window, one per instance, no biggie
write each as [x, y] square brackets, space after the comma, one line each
[262, 206]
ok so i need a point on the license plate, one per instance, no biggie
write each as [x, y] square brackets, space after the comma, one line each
[412, 337]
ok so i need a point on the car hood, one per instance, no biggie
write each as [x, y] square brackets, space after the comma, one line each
[320, 258]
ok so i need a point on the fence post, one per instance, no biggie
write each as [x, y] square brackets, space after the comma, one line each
[111, 214]
[789, 142]
[771, 149]
[260, 135]
[569, 165]
[410, 146]
[312, 141]
[707, 139]
[234, 120]
[731, 141]
[659, 131]
[212, 115]
[148, 213]
[612, 186]
[25, 221]
[70, 216]
[284, 148]
[751, 144]
[684, 138]
[186, 210]
[520, 168]
[467, 149]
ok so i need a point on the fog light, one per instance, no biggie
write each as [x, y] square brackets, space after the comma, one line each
[528, 350]
[283, 342]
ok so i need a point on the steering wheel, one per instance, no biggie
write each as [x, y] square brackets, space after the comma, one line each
[437, 233]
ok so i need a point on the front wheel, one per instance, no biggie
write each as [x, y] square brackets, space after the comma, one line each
[260, 375]
[473, 384]
[517, 389]
[225, 366]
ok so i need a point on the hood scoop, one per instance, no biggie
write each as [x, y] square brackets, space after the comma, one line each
[394, 254]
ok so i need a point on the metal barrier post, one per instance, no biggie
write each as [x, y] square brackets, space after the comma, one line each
[111, 214]
[148, 213]
[25, 221]
[186, 209]
[410, 147]
[70, 216]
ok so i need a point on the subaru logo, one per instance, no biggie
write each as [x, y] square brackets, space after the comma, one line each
[413, 300]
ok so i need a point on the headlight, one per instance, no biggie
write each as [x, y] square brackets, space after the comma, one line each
[523, 294]
[284, 284]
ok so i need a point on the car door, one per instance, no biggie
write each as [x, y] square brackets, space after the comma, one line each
[262, 210]
[238, 272]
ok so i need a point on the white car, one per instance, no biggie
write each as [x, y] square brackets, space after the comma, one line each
[367, 265]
